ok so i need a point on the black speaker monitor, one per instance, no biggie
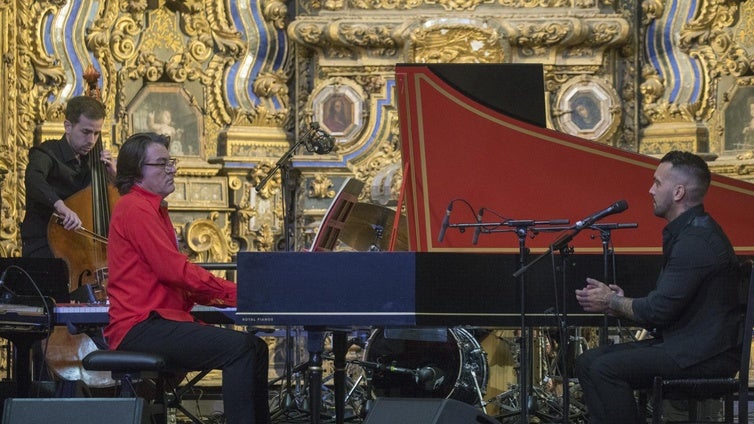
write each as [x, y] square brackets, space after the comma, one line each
[74, 410]
[425, 411]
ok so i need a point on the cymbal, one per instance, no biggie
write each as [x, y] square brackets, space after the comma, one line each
[368, 227]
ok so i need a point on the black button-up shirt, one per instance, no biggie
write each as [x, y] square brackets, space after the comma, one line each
[694, 305]
[53, 173]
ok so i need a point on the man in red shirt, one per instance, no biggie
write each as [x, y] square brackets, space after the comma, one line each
[152, 287]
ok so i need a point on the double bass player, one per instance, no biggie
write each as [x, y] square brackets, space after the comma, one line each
[59, 168]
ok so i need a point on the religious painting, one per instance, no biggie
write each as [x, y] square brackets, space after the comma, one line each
[586, 107]
[337, 113]
[739, 120]
[585, 111]
[337, 109]
[166, 109]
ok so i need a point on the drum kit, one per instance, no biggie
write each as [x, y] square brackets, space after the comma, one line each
[477, 366]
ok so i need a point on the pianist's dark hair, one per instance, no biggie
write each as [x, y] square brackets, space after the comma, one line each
[131, 158]
[693, 166]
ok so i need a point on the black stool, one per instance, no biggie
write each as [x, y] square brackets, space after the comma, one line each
[128, 367]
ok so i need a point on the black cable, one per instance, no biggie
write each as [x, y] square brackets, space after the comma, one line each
[48, 314]
[501, 217]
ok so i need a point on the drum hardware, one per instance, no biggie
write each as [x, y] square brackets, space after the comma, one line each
[378, 230]
[293, 403]
[291, 395]
[369, 227]
[452, 366]
[479, 393]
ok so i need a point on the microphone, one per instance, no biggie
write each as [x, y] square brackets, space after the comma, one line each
[430, 377]
[400, 370]
[445, 222]
[478, 228]
[384, 367]
[317, 140]
[617, 207]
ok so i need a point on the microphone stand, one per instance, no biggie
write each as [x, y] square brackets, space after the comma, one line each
[317, 141]
[288, 187]
[565, 251]
[561, 245]
[521, 228]
[607, 254]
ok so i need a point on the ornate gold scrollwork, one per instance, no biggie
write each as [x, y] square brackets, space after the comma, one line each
[459, 4]
[534, 3]
[386, 4]
[456, 44]
[207, 242]
[276, 12]
[321, 187]
[272, 186]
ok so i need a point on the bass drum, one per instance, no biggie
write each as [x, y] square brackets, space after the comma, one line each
[457, 362]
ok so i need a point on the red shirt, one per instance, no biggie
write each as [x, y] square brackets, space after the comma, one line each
[148, 273]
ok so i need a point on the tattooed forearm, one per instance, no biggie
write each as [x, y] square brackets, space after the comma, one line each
[621, 306]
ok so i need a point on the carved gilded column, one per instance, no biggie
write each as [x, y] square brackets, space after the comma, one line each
[8, 157]
[686, 59]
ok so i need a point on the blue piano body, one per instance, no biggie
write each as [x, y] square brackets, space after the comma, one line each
[412, 289]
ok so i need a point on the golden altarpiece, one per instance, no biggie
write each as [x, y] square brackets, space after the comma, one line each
[236, 84]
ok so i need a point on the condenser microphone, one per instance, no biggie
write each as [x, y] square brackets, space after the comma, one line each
[445, 223]
[317, 140]
[478, 228]
[617, 207]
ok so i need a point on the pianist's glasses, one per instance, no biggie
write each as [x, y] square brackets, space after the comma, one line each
[169, 165]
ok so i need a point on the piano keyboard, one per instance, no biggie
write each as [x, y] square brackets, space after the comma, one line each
[82, 313]
[21, 309]
[22, 318]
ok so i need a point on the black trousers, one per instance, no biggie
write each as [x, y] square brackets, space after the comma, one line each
[608, 376]
[242, 357]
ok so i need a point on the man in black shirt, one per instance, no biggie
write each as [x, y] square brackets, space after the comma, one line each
[58, 169]
[693, 308]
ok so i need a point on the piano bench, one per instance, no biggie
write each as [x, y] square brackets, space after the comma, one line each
[128, 366]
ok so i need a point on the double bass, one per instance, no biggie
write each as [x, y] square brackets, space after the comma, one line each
[85, 252]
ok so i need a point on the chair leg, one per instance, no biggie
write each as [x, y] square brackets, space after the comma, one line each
[728, 408]
[693, 406]
[657, 401]
[743, 407]
[127, 386]
[178, 393]
[641, 404]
